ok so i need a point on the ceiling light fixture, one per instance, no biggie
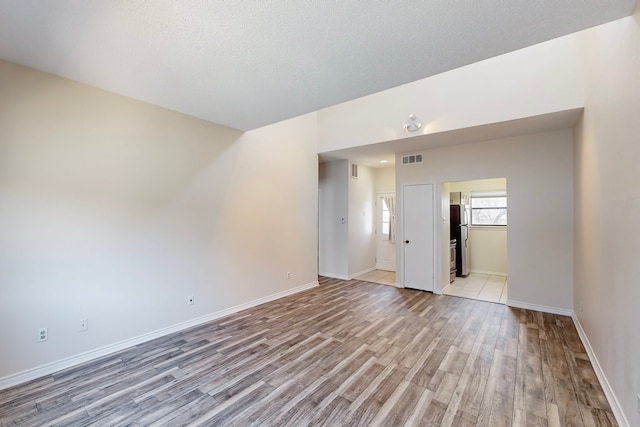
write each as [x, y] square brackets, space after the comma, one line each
[413, 124]
[384, 161]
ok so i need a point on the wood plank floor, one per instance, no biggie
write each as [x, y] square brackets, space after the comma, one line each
[343, 354]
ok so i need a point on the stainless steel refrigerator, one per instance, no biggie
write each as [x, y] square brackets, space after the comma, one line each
[459, 223]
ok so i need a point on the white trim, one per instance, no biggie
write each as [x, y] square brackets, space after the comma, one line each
[493, 193]
[334, 275]
[349, 277]
[606, 387]
[542, 308]
[50, 368]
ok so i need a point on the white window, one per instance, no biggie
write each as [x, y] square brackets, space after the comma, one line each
[386, 218]
[489, 208]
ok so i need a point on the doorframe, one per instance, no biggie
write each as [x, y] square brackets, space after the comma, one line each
[437, 218]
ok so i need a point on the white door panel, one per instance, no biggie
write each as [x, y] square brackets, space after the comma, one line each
[418, 236]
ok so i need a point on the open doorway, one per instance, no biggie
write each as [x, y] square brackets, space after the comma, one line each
[384, 229]
[385, 234]
[478, 239]
[347, 221]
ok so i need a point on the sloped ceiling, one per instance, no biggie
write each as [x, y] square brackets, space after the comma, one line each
[246, 64]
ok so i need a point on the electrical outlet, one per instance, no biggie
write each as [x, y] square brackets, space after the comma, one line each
[580, 306]
[190, 300]
[288, 275]
[83, 325]
[43, 334]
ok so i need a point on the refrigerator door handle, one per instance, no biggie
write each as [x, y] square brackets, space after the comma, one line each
[464, 234]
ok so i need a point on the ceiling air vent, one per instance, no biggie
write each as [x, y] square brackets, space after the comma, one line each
[354, 170]
[412, 158]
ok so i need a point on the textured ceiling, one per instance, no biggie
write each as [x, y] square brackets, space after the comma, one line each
[245, 64]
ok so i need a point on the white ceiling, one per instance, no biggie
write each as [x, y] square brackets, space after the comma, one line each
[245, 64]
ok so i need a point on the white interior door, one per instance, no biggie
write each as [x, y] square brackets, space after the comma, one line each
[385, 246]
[418, 240]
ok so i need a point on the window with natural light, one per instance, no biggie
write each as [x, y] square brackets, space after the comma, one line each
[386, 218]
[489, 208]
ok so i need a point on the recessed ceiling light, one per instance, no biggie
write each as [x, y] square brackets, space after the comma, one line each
[384, 161]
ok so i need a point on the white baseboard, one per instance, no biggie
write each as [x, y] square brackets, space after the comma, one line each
[542, 308]
[333, 275]
[606, 387]
[604, 382]
[50, 368]
[343, 277]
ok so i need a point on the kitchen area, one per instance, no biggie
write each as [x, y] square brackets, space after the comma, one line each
[478, 240]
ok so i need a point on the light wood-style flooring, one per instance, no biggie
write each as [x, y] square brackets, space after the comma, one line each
[346, 353]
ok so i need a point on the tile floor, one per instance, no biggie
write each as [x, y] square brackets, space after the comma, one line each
[478, 286]
[379, 276]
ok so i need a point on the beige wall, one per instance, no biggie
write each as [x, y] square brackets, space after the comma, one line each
[488, 250]
[607, 198]
[538, 169]
[385, 180]
[362, 240]
[115, 210]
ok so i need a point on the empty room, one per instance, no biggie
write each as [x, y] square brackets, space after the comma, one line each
[238, 213]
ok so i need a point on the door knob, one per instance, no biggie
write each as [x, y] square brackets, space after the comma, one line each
[406, 241]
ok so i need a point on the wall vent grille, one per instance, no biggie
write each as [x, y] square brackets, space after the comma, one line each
[412, 158]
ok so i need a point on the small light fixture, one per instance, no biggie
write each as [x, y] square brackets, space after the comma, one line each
[384, 161]
[413, 124]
